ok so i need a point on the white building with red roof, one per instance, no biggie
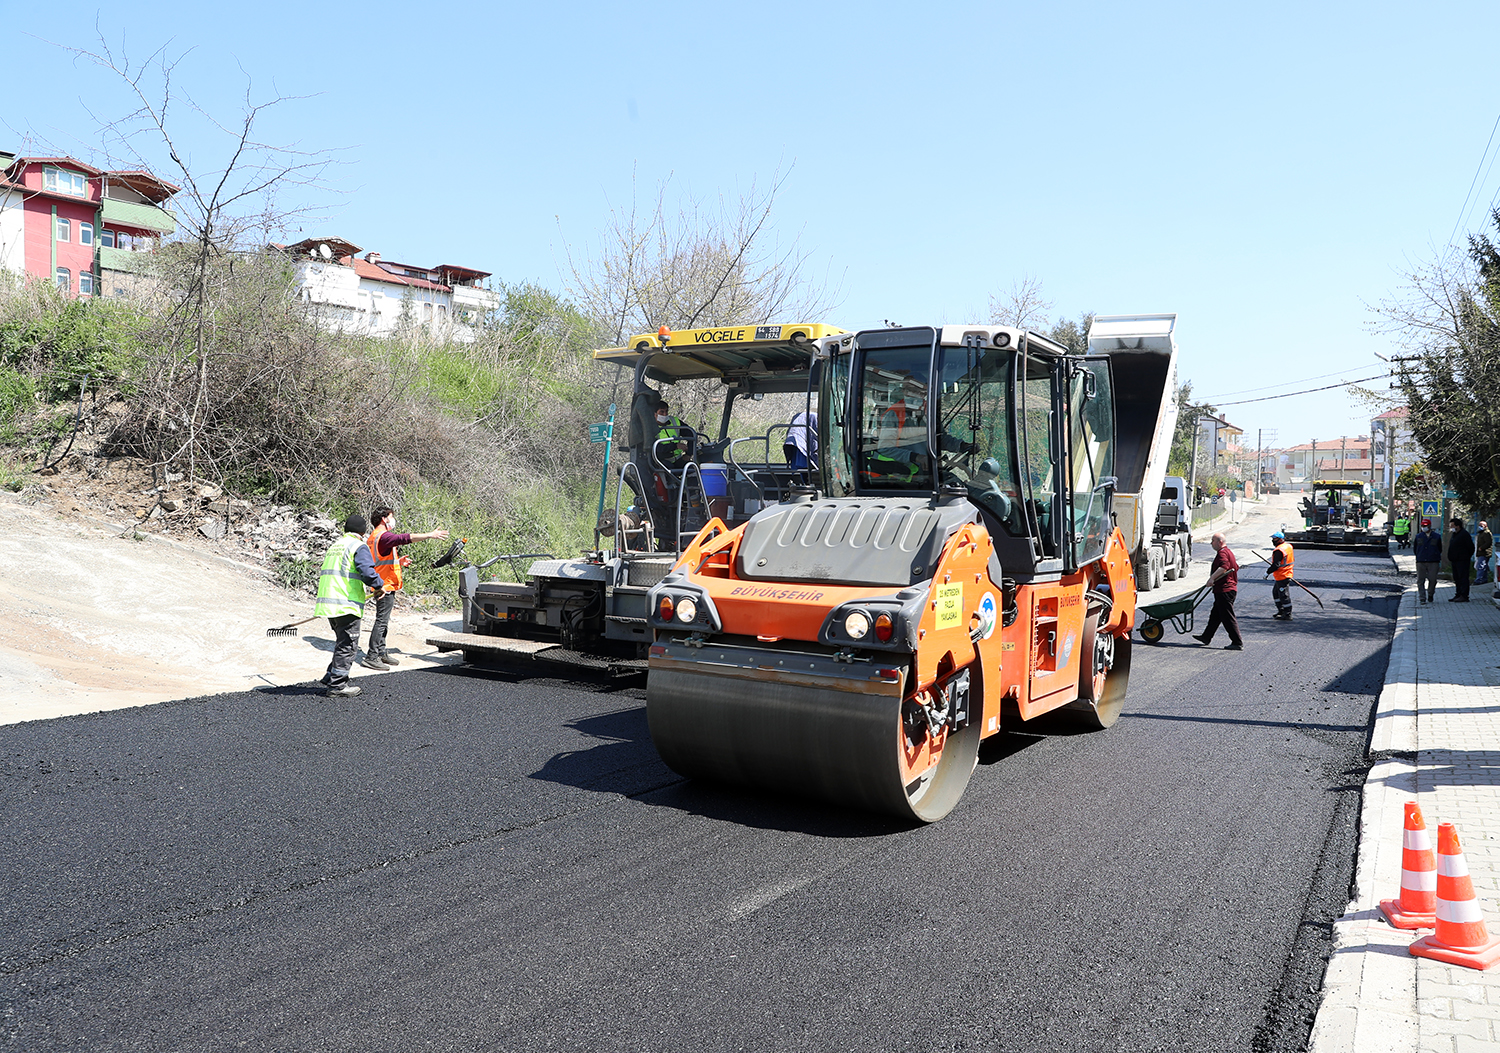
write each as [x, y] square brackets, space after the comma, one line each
[372, 296]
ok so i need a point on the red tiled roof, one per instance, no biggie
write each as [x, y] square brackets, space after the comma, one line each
[366, 269]
[87, 168]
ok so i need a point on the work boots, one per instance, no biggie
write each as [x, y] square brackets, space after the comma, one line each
[344, 690]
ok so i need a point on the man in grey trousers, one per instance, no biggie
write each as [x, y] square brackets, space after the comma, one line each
[1428, 548]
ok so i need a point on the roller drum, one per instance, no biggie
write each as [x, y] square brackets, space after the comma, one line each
[798, 725]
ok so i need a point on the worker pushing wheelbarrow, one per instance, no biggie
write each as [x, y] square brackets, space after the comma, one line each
[1179, 612]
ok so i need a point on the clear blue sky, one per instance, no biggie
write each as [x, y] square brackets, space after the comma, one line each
[1267, 172]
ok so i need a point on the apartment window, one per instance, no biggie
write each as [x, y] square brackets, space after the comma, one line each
[427, 314]
[107, 238]
[86, 283]
[64, 279]
[63, 181]
[85, 233]
[65, 230]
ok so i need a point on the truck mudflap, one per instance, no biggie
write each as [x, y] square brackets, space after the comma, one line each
[812, 726]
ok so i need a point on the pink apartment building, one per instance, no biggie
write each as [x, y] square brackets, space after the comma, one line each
[82, 227]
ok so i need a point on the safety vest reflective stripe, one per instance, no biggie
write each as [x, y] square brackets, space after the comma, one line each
[1284, 572]
[388, 567]
[341, 591]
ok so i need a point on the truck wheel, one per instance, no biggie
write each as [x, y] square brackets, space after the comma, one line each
[1143, 577]
[1157, 570]
[1170, 571]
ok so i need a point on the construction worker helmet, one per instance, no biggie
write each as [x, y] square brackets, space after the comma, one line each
[1278, 536]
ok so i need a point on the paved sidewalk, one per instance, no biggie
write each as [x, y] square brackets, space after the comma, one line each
[1436, 740]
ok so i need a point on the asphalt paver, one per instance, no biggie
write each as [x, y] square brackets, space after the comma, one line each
[468, 860]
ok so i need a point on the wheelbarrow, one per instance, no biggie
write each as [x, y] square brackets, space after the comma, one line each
[1179, 612]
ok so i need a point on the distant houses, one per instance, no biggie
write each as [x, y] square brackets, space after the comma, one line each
[91, 231]
[372, 296]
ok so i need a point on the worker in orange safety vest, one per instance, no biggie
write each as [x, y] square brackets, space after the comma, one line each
[1281, 570]
[383, 543]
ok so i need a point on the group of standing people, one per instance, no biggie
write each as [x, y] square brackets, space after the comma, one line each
[1465, 554]
[365, 562]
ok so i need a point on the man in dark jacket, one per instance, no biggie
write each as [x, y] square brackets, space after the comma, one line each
[1461, 556]
[1427, 547]
[1223, 576]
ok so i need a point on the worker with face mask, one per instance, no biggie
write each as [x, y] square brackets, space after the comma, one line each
[1427, 547]
[672, 446]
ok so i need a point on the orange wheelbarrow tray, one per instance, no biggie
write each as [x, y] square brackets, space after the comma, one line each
[1179, 612]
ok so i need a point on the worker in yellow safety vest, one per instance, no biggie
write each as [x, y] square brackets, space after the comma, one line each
[344, 584]
[1281, 570]
[384, 545]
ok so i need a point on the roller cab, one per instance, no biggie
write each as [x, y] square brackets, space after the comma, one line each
[953, 573]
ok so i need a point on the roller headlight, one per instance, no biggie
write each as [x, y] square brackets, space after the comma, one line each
[687, 610]
[856, 625]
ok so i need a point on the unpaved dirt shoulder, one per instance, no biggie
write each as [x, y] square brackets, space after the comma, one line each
[91, 620]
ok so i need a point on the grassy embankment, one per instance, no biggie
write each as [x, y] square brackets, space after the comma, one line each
[487, 440]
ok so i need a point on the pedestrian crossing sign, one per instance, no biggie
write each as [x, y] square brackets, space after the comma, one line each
[1430, 508]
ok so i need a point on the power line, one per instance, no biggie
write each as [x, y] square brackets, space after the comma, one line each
[1464, 207]
[1309, 391]
[1284, 383]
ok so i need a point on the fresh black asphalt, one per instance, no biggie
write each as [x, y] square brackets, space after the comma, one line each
[466, 861]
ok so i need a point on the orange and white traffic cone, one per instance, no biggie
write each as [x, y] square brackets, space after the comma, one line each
[1461, 938]
[1416, 908]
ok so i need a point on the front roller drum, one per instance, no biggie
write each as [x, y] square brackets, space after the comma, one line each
[845, 737]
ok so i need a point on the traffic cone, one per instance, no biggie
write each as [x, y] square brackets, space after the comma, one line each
[1416, 907]
[1461, 938]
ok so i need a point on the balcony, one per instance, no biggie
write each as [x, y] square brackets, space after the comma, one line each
[123, 260]
[140, 217]
[475, 298]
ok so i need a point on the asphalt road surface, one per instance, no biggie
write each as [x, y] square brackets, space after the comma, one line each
[470, 862]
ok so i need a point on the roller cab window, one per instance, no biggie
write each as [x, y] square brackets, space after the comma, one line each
[891, 426]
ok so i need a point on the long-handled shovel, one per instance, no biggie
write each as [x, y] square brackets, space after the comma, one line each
[1295, 582]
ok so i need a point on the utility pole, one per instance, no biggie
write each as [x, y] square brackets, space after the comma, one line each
[1312, 471]
[1343, 458]
[1260, 468]
[1193, 467]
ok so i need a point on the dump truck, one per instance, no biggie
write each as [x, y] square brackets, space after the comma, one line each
[954, 573]
[590, 611]
[1152, 509]
[1336, 514]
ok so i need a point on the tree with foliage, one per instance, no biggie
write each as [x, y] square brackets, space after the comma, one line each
[1448, 321]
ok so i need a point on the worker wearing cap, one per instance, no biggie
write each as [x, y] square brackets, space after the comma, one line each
[1427, 547]
[384, 542]
[1281, 570]
[344, 583]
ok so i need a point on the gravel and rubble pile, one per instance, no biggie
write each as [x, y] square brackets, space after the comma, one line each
[251, 530]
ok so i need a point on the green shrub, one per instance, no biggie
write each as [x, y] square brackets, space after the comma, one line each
[17, 392]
